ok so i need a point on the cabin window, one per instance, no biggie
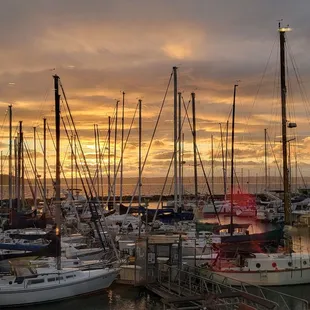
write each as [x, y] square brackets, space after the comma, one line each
[35, 281]
[290, 264]
[51, 280]
[59, 278]
[304, 262]
[70, 276]
[19, 280]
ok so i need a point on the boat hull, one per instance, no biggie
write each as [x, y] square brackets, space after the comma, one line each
[265, 278]
[92, 281]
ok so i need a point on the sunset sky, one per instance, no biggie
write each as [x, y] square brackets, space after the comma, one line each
[101, 48]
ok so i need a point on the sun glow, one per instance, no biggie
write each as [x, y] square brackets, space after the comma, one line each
[177, 51]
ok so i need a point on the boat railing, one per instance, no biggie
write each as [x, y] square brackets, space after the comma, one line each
[285, 301]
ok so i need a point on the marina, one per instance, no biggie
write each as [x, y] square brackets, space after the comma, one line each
[177, 192]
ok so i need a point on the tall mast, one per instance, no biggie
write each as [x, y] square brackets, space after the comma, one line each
[140, 162]
[286, 188]
[122, 152]
[226, 157]
[183, 162]
[109, 158]
[76, 164]
[19, 155]
[57, 181]
[175, 123]
[195, 149]
[100, 163]
[44, 165]
[22, 169]
[1, 178]
[180, 149]
[223, 161]
[10, 159]
[114, 162]
[97, 161]
[212, 165]
[266, 167]
[35, 166]
[232, 163]
[15, 168]
[72, 166]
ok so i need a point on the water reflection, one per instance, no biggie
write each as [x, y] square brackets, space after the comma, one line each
[118, 297]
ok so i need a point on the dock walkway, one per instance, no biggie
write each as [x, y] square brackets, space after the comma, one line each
[187, 289]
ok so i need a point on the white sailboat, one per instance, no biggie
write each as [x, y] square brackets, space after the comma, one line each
[271, 269]
[29, 285]
[40, 285]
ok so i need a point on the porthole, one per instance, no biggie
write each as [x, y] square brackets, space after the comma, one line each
[290, 264]
[304, 262]
[258, 265]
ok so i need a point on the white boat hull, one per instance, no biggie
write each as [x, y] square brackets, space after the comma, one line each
[265, 278]
[24, 294]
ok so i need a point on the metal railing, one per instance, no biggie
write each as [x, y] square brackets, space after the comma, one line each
[285, 301]
[188, 282]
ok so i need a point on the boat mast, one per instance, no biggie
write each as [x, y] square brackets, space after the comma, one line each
[266, 167]
[183, 162]
[97, 162]
[72, 167]
[35, 167]
[226, 158]
[114, 162]
[140, 165]
[1, 178]
[44, 165]
[287, 207]
[195, 149]
[175, 123]
[22, 169]
[223, 162]
[19, 165]
[180, 149]
[232, 163]
[109, 158]
[16, 172]
[10, 158]
[76, 164]
[212, 165]
[57, 181]
[122, 152]
[100, 163]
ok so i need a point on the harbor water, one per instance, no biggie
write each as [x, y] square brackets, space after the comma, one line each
[117, 297]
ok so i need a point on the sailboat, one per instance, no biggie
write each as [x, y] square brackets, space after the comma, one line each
[277, 269]
[28, 285]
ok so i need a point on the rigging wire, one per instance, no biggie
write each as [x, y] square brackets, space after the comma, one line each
[202, 167]
[150, 144]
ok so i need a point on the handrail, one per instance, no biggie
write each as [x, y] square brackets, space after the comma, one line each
[201, 286]
[261, 289]
[197, 282]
